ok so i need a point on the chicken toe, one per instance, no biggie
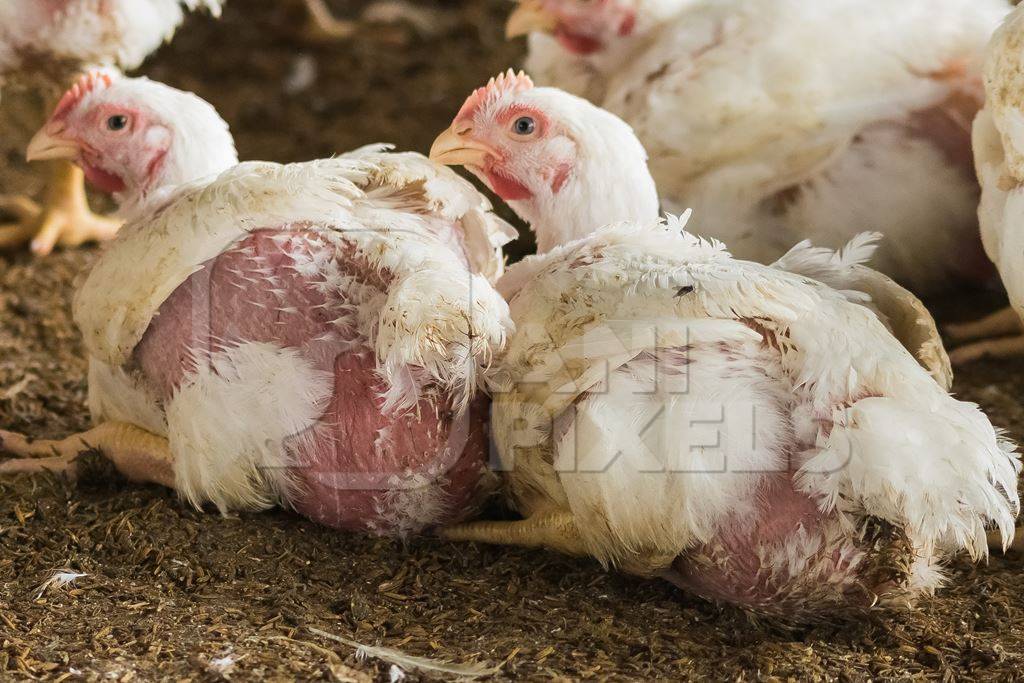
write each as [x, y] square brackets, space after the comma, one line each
[137, 454]
[25, 213]
[65, 219]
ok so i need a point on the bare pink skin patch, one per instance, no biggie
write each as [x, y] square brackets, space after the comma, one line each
[628, 25]
[776, 552]
[732, 568]
[358, 469]
[561, 177]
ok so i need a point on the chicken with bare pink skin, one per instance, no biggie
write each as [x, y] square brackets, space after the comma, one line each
[751, 434]
[313, 335]
[783, 120]
[44, 46]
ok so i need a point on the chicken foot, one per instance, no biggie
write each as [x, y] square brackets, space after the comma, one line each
[26, 212]
[140, 456]
[324, 26]
[554, 530]
[1004, 347]
[998, 335]
[1000, 323]
[64, 219]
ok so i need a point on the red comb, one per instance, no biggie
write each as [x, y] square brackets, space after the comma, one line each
[509, 82]
[85, 85]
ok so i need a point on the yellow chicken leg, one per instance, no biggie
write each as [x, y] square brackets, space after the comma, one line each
[1002, 322]
[323, 26]
[555, 531]
[26, 212]
[995, 336]
[65, 218]
[1003, 347]
[137, 454]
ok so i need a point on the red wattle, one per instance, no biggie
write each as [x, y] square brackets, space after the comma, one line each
[508, 189]
[576, 43]
[103, 181]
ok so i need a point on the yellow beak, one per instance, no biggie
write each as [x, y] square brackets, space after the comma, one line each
[528, 17]
[456, 148]
[48, 145]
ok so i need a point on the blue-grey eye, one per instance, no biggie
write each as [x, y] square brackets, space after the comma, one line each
[117, 122]
[524, 125]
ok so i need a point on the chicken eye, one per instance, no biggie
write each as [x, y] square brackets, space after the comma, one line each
[117, 122]
[524, 125]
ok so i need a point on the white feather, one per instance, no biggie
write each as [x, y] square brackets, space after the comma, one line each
[824, 377]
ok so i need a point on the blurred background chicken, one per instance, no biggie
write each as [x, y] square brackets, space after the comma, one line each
[999, 156]
[312, 334]
[752, 435]
[780, 120]
[44, 46]
[323, 25]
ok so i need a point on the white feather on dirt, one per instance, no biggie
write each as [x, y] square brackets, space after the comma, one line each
[60, 579]
[410, 662]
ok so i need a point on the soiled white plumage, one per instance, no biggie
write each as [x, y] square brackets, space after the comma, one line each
[314, 335]
[782, 120]
[40, 37]
[999, 155]
[632, 401]
[779, 437]
[385, 208]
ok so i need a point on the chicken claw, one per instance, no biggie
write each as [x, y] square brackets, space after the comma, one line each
[64, 220]
[26, 212]
[137, 454]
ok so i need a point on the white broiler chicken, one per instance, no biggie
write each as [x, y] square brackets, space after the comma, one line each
[999, 157]
[783, 120]
[44, 46]
[309, 334]
[751, 434]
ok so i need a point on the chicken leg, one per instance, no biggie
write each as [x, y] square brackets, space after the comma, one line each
[64, 219]
[555, 530]
[140, 456]
[999, 335]
[323, 26]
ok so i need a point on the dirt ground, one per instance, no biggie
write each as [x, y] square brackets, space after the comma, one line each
[169, 593]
